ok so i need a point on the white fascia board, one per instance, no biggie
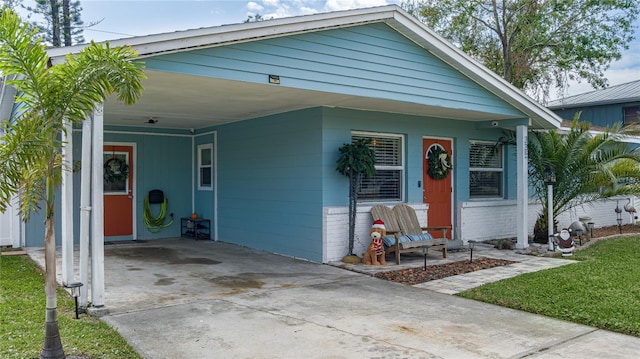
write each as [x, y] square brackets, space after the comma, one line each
[177, 41]
[447, 52]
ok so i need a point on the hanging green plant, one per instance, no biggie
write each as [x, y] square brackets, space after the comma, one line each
[115, 170]
[439, 162]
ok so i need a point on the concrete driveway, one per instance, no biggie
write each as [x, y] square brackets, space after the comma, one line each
[200, 299]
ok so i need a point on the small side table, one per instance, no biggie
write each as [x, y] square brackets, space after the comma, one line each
[199, 228]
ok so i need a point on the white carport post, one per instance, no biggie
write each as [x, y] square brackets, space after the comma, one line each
[66, 229]
[522, 178]
[97, 212]
[85, 211]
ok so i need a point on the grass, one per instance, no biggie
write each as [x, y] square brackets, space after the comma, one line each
[601, 290]
[22, 318]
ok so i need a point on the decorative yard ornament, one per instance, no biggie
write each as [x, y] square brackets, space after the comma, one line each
[439, 162]
[565, 243]
[375, 252]
[356, 160]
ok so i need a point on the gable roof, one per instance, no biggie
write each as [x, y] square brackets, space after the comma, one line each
[392, 15]
[623, 93]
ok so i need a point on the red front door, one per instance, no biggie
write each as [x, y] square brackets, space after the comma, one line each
[437, 188]
[118, 190]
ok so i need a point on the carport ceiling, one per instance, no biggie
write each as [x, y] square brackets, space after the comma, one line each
[184, 102]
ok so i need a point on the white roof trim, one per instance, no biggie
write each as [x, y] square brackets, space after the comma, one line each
[393, 15]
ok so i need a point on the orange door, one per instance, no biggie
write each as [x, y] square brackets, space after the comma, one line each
[437, 182]
[118, 190]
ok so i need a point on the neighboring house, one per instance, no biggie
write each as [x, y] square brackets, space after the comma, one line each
[602, 108]
[242, 124]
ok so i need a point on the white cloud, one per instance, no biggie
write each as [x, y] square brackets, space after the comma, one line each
[334, 5]
[254, 7]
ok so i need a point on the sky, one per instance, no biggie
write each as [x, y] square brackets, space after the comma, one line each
[125, 18]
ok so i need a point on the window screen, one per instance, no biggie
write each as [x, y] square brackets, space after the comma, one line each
[386, 184]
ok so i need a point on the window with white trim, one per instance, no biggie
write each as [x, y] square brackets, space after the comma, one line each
[386, 184]
[486, 170]
[205, 167]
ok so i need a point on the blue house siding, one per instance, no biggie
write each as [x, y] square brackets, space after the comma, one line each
[602, 116]
[371, 61]
[270, 183]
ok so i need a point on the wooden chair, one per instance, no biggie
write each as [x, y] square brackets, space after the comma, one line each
[401, 242]
[409, 225]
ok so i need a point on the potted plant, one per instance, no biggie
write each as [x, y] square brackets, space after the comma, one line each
[357, 160]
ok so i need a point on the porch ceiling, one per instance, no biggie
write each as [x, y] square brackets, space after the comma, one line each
[183, 102]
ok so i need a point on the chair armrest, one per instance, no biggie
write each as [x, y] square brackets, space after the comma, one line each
[443, 229]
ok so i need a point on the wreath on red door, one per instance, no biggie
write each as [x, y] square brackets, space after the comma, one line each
[115, 170]
[439, 162]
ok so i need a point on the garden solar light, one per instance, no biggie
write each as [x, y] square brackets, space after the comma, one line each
[75, 292]
[472, 244]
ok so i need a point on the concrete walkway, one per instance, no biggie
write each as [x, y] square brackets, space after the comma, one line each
[201, 299]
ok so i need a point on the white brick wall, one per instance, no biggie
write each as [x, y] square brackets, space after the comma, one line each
[496, 219]
[478, 220]
[336, 230]
[484, 220]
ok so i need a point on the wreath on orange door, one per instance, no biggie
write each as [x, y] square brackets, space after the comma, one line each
[115, 170]
[439, 162]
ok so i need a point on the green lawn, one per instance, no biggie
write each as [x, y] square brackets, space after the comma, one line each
[601, 290]
[22, 318]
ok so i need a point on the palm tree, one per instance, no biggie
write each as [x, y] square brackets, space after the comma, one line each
[589, 166]
[356, 160]
[49, 96]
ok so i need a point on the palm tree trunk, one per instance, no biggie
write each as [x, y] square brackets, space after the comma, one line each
[52, 347]
[352, 211]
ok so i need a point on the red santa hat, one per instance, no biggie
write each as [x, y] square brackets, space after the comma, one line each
[378, 223]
